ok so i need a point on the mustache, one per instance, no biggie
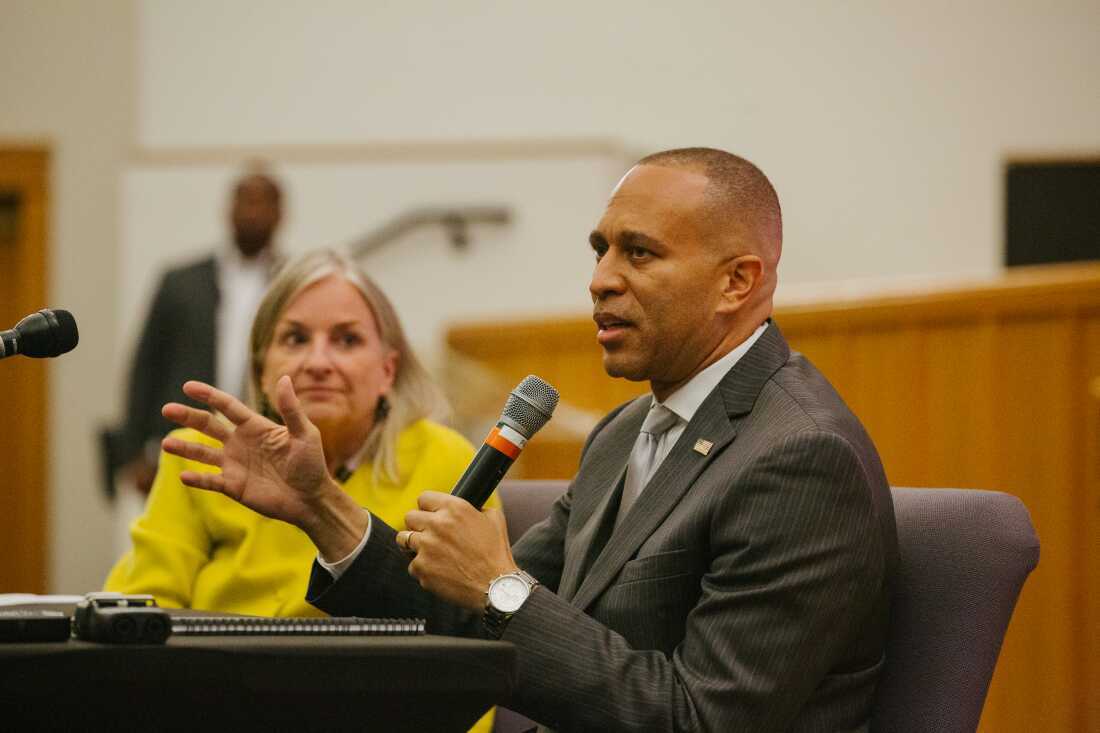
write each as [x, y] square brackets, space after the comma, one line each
[607, 317]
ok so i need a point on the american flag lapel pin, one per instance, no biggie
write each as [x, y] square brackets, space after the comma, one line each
[702, 447]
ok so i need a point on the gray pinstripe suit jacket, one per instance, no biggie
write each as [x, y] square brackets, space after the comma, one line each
[747, 589]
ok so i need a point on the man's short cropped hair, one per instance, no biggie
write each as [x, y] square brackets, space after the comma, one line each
[739, 197]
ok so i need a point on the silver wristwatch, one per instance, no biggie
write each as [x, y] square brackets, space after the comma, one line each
[506, 595]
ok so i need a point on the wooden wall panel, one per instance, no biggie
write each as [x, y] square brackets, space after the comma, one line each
[1033, 460]
[979, 387]
[1088, 503]
[960, 394]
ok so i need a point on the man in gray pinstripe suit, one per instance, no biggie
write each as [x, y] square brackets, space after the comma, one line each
[725, 568]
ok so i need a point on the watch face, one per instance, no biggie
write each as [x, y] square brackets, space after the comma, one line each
[507, 594]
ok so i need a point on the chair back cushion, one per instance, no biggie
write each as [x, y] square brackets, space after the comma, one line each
[964, 555]
[527, 503]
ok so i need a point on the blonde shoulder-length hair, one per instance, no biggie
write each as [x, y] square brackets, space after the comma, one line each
[414, 394]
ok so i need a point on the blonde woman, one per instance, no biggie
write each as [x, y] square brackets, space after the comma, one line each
[327, 326]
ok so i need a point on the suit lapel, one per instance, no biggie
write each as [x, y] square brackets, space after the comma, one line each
[592, 537]
[664, 491]
[714, 422]
[603, 483]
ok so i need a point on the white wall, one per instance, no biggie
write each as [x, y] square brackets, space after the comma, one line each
[66, 78]
[883, 125]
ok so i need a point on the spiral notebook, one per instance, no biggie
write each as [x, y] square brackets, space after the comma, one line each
[267, 626]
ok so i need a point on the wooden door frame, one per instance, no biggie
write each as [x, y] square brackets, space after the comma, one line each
[24, 387]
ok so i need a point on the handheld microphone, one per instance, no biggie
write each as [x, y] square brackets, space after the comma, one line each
[529, 407]
[42, 334]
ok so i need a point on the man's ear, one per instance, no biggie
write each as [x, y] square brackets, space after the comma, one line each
[742, 277]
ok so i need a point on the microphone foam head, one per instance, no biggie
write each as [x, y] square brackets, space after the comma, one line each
[530, 406]
[67, 334]
[47, 333]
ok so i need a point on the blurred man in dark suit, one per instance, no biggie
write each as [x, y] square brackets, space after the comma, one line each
[198, 325]
[722, 559]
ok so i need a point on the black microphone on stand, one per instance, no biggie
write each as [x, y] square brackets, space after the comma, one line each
[529, 407]
[42, 334]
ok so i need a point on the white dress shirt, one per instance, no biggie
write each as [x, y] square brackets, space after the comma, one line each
[241, 286]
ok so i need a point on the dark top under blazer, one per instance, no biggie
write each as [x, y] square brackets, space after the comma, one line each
[747, 589]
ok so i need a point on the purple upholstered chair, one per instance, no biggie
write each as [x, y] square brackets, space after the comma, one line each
[964, 558]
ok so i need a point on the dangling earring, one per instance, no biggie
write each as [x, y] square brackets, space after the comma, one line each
[382, 409]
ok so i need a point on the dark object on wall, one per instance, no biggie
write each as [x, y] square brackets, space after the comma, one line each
[1052, 212]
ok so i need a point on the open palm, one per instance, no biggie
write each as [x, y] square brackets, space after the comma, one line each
[276, 470]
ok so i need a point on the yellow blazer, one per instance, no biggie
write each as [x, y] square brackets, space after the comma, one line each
[198, 549]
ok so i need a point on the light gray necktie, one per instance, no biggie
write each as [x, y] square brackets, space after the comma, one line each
[646, 455]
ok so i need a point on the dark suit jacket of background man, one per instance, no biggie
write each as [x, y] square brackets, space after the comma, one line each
[747, 589]
[177, 343]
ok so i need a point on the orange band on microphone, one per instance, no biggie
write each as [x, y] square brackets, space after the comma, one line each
[495, 440]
